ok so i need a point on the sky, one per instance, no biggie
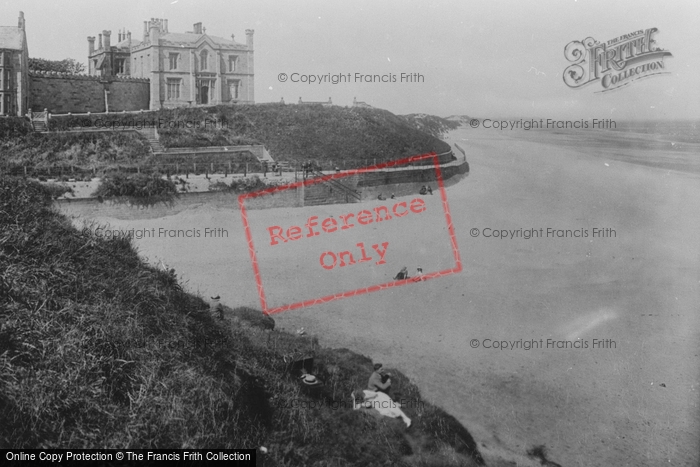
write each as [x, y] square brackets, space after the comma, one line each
[484, 59]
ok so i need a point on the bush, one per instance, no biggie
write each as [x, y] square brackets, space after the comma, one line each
[243, 185]
[57, 190]
[14, 127]
[139, 189]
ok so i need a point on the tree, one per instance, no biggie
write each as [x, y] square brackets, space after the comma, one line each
[67, 65]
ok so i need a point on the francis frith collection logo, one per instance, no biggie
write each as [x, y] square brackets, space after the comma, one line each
[615, 63]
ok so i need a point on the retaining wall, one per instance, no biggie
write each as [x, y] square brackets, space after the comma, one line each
[371, 184]
[408, 182]
[63, 93]
[92, 207]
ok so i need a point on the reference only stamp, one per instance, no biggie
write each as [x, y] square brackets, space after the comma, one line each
[339, 248]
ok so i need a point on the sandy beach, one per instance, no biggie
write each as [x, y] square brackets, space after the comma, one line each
[611, 271]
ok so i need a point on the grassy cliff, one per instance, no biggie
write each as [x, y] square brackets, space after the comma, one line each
[99, 349]
[337, 135]
[430, 124]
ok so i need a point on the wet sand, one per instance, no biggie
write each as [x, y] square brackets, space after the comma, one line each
[631, 401]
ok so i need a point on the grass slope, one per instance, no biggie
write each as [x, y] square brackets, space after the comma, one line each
[100, 350]
[290, 132]
[82, 150]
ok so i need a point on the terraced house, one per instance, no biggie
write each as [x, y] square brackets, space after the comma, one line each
[190, 68]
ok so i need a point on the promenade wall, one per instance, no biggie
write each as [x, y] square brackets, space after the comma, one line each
[371, 184]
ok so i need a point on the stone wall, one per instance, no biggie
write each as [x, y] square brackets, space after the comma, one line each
[400, 183]
[92, 207]
[387, 177]
[409, 182]
[129, 94]
[64, 93]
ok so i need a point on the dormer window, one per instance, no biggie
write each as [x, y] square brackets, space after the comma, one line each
[203, 58]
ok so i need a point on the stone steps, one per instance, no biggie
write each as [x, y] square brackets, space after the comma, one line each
[39, 125]
[150, 135]
[324, 193]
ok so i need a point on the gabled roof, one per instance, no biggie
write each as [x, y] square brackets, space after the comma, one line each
[10, 38]
[100, 62]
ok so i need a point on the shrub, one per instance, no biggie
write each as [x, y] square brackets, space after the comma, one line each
[137, 189]
[243, 185]
[14, 127]
[57, 190]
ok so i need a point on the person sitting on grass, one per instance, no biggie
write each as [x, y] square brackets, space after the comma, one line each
[216, 307]
[381, 402]
[379, 380]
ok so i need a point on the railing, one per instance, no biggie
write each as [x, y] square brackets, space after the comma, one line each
[215, 149]
[78, 114]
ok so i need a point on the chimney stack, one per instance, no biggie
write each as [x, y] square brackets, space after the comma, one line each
[249, 38]
[145, 30]
[153, 32]
[20, 20]
[106, 35]
[166, 26]
[198, 28]
[91, 44]
[99, 41]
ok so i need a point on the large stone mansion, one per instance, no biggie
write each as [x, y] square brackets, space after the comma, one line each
[163, 70]
[184, 68]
